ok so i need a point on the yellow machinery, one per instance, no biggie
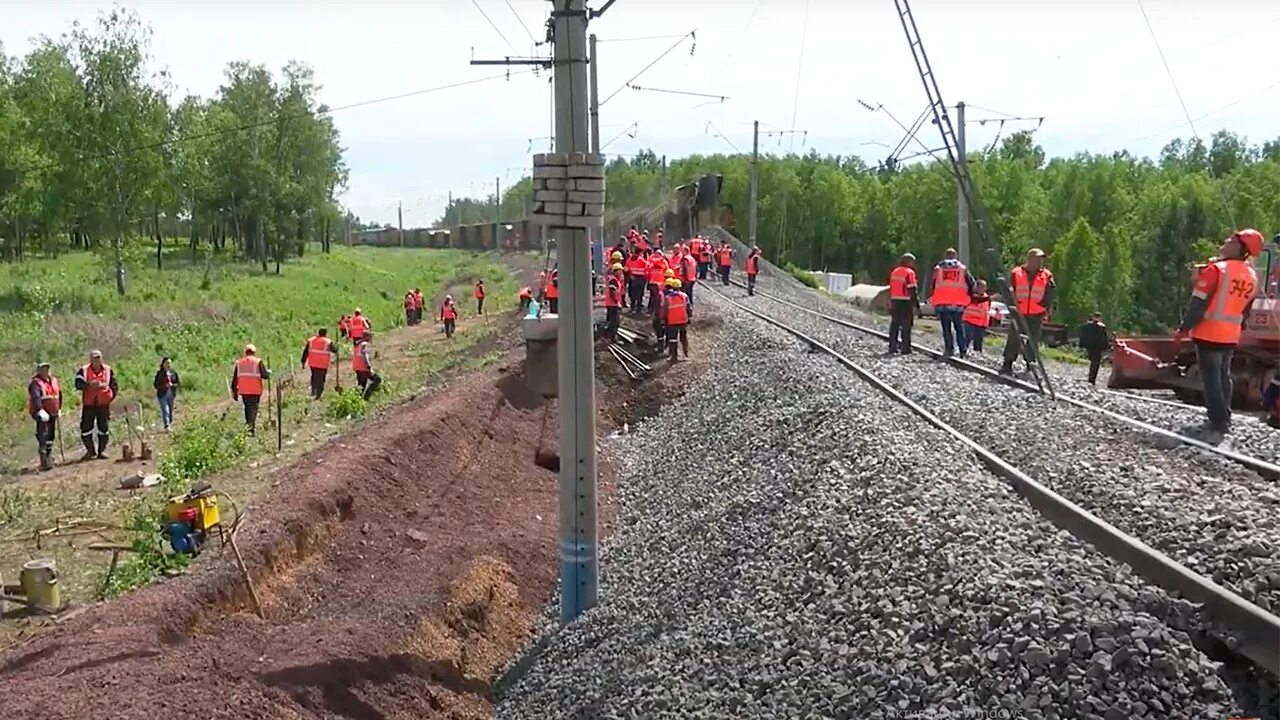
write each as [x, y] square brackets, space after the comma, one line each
[191, 518]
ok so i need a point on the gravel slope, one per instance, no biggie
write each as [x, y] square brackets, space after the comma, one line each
[791, 544]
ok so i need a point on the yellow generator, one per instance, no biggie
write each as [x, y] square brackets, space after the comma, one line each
[190, 519]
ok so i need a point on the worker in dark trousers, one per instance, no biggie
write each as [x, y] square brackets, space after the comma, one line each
[1271, 400]
[904, 304]
[637, 269]
[362, 366]
[248, 380]
[724, 260]
[97, 385]
[448, 316]
[478, 294]
[44, 405]
[753, 268]
[675, 315]
[526, 297]
[613, 295]
[1033, 289]
[317, 355]
[1094, 341]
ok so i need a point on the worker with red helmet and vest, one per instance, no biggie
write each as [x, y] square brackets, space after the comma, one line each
[478, 294]
[1215, 318]
[753, 268]
[362, 367]
[950, 288]
[44, 405]
[976, 318]
[904, 303]
[317, 355]
[359, 326]
[448, 316]
[97, 385]
[1032, 286]
[675, 314]
[613, 299]
[248, 381]
[724, 259]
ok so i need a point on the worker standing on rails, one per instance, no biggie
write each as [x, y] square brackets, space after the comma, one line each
[359, 326]
[688, 273]
[362, 367]
[637, 269]
[724, 258]
[317, 355]
[753, 268]
[1215, 318]
[1094, 341]
[904, 302]
[675, 315]
[44, 405]
[448, 316]
[478, 294]
[613, 299]
[247, 382]
[97, 385]
[976, 318]
[1032, 286]
[950, 288]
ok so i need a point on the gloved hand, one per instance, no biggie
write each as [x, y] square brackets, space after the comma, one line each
[1179, 337]
[43, 415]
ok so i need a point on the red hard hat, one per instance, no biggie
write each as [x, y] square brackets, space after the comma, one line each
[1250, 239]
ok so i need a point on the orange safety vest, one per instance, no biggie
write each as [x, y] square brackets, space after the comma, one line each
[49, 399]
[949, 286]
[525, 293]
[1237, 283]
[636, 266]
[343, 325]
[449, 311]
[657, 269]
[753, 264]
[613, 291]
[695, 247]
[642, 242]
[417, 301]
[977, 313]
[97, 396]
[318, 353]
[249, 376]
[726, 256]
[1028, 294]
[690, 268]
[408, 301]
[478, 293]
[359, 326]
[553, 290]
[707, 252]
[901, 281]
[675, 311]
[358, 363]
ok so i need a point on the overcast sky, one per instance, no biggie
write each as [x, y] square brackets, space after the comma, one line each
[1090, 67]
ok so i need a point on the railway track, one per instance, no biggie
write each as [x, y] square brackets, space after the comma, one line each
[1261, 466]
[1250, 630]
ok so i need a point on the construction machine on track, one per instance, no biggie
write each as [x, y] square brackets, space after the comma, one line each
[1159, 363]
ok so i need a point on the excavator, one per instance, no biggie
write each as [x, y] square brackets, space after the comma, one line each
[1158, 363]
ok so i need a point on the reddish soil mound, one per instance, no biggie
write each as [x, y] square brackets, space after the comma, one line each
[398, 568]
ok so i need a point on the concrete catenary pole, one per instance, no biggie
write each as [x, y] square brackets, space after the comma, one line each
[962, 206]
[755, 181]
[497, 210]
[596, 237]
[579, 555]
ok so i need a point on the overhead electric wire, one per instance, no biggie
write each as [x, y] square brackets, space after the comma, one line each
[493, 25]
[795, 103]
[729, 58]
[273, 121]
[520, 20]
[632, 79]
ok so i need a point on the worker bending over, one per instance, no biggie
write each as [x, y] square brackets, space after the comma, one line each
[362, 366]
[976, 318]
[317, 355]
[675, 313]
[613, 301]
[97, 385]
[1215, 318]
[904, 303]
[44, 405]
[753, 268]
[1094, 341]
[1033, 288]
[950, 288]
[526, 297]
[248, 378]
[448, 316]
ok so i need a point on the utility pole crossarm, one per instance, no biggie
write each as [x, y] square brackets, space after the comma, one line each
[537, 61]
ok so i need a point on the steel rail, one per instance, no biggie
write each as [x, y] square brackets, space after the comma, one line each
[1263, 467]
[1256, 631]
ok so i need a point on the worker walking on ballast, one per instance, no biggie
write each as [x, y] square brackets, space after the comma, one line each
[675, 313]
[1215, 318]
[362, 366]
[950, 290]
[248, 378]
[1033, 288]
[44, 405]
[904, 303]
[317, 355]
[1094, 341]
[97, 384]
[753, 268]
[976, 318]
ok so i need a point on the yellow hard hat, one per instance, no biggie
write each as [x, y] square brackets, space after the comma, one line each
[250, 349]
[670, 273]
[616, 266]
[673, 282]
[616, 255]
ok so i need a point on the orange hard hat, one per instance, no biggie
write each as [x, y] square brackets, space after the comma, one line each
[1250, 239]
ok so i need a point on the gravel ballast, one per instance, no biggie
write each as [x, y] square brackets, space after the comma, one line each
[791, 543]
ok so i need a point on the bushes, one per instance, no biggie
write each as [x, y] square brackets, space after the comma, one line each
[348, 404]
[804, 276]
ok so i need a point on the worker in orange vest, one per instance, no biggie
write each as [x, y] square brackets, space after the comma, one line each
[526, 297]
[1215, 318]
[688, 273]
[409, 304]
[317, 355]
[359, 326]
[344, 326]
[657, 276]
[448, 315]
[753, 268]
[97, 385]
[904, 303]
[362, 367]
[613, 299]
[695, 250]
[248, 378]
[676, 313]
[1032, 286]
[724, 259]
[44, 405]
[418, 303]
[478, 294]
[553, 289]
[976, 318]
[706, 254]
[636, 268]
[950, 287]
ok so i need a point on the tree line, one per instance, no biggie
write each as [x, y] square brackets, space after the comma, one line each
[94, 155]
[1122, 232]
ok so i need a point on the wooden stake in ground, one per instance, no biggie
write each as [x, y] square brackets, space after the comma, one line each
[244, 569]
[279, 420]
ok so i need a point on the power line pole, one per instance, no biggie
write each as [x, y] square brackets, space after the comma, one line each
[962, 205]
[400, 220]
[497, 209]
[755, 180]
[664, 179]
[594, 237]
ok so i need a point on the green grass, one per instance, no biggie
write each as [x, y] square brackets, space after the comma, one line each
[804, 276]
[1069, 355]
[200, 314]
